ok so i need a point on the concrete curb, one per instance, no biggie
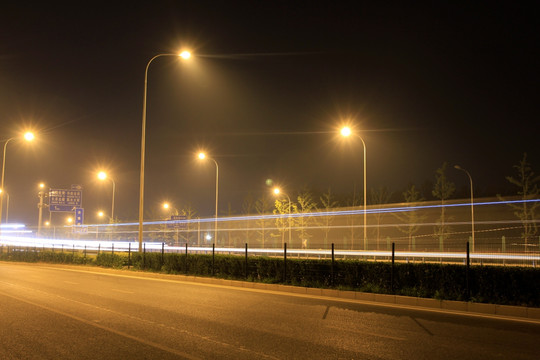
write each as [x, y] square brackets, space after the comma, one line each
[519, 312]
[458, 306]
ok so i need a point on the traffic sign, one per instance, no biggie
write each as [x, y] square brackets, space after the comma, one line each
[79, 216]
[64, 199]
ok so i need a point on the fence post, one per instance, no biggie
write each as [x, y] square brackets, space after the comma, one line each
[213, 256]
[332, 268]
[129, 255]
[467, 273]
[392, 269]
[144, 256]
[162, 252]
[246, 264]
[112, 249]
[84, 253]
[186, 258]
[284, 263]
[73, 252]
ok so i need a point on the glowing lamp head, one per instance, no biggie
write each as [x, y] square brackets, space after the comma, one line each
[346, 131]
[166, 205]
[29, 136]
[41, 185]
[47, 223]
[276, 191]
[102, 175]
[185, 55]
[69, 220]
[100, 213]
[202, 155]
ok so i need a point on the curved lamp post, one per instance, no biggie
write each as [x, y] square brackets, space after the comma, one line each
[346, 132]
[184, 55]
[28, 136]
[472, 204]
[203, 156]
[102, 176]
[277, 191]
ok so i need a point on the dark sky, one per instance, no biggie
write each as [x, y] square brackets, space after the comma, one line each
[424, 85]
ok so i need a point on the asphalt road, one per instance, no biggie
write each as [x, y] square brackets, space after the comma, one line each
[50, 312]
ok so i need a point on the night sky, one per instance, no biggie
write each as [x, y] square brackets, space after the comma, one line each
[265, 93]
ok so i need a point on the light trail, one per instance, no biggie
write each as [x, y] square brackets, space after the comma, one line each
[124, 246]
[506, 243]
[317, 214]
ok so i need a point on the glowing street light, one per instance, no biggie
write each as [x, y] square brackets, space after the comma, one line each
[346, 132]
[166, 206]
[100, 214]
[183, 55]
[203, 156]
[69, 220]
[102, 176]
[277, 191]
[472, 204]
[28, 136]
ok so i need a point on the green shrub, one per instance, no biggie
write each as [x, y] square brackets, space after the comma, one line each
[493, 284]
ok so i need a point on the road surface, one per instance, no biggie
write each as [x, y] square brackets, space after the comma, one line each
[55, 312]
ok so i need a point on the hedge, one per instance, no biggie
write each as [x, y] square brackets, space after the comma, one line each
[487, 284]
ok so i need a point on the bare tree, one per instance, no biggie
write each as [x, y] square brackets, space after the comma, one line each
[263, 206]
[305, 205]
[379, 196]
[442, 190]
[190, 213]
[328, 202]
[283, 222]
[527, 184]
[411, 218]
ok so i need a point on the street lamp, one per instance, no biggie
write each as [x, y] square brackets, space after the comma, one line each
[102, 176]
[184, 55]
[346, 132]
[277, 191]
[7, 204]
[28, 136]
[472, 204]
[203, 156]
[41, 194]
